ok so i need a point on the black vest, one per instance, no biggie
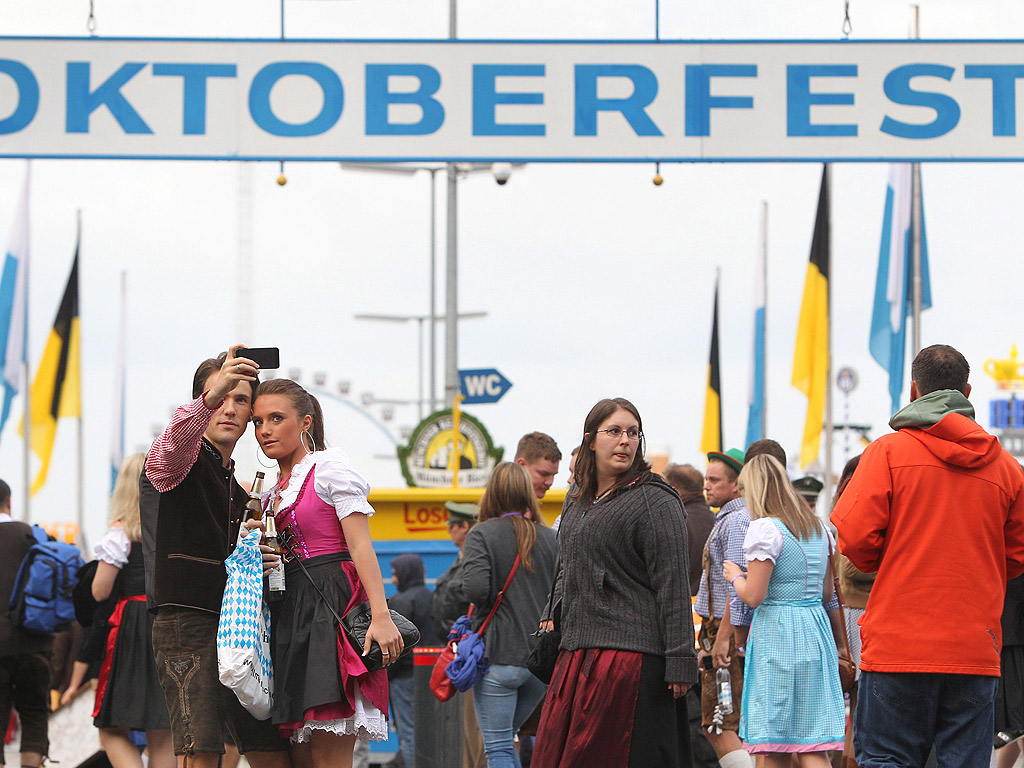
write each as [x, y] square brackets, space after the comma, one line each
[187, 533]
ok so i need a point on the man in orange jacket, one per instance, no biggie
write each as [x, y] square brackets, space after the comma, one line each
[938, 510]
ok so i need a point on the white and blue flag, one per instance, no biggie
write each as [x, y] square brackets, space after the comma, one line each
[894, 290]
[14, 304]
[755, 415]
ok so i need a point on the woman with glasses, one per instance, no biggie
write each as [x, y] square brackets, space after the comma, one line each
[324, 699]
[510, 527]
[622, 604]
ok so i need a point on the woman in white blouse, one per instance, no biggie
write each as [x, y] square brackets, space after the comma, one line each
[128, 692]
[324, 698]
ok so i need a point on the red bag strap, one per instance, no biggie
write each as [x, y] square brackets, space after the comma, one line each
[515, 567]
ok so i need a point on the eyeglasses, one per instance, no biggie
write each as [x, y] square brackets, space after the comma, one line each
[616, 432]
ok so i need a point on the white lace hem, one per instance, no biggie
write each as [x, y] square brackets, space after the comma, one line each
[367, 723]
[364, 731]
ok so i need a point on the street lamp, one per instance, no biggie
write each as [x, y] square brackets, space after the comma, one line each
[420, 319]
[454, 171]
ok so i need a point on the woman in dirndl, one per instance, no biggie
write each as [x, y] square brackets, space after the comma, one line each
[128, 692]
[792, 699]
[324, 697]
[622, 603]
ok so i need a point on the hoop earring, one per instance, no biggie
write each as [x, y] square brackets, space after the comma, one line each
[306, 434]
[259, 452]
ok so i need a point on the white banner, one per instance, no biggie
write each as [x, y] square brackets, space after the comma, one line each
[530, 101]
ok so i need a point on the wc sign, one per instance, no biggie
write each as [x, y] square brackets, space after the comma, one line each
[483, 385]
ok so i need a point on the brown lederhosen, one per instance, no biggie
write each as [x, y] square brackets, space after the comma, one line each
[709, 686]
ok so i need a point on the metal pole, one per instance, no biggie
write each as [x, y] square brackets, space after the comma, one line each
[419, 363]
[27, 388]
[451, 365]
[828, 327]
[916, 226]
[451, 356]
[81, 448]
[433, 290]
[764, 278]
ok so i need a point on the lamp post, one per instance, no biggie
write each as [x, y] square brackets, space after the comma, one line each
[420, 319]
[454, 171]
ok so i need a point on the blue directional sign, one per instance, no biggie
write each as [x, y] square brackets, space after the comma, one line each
[483, 385]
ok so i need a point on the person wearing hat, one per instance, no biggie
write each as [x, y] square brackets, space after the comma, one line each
[724, 626]
[449, 604]
[808, 488]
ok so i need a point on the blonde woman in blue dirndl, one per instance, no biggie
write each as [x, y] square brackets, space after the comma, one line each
[792, 698]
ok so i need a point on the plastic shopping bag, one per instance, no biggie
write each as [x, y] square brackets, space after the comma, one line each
[243, 635]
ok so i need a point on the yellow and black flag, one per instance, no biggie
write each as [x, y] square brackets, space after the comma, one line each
[711, 436]
[811, 357]
[57, 387]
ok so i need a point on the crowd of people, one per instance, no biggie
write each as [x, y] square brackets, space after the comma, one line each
[926, 545]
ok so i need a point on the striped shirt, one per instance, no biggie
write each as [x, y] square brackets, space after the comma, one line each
[175, 452]
[725, 542]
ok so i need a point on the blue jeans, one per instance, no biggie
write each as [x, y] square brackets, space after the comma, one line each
[403, 709]
[504, 698]
[900, 715]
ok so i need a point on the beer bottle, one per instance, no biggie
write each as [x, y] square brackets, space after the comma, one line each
[253, 508]
[275, 578]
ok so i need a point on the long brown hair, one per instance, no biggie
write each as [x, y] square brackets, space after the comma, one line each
[768, 492]
[301, 401]
[510, 489]
[585, 471]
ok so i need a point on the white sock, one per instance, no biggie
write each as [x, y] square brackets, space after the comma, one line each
[738, 758]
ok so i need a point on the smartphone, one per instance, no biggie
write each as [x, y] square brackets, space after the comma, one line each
[267, 358]
[708, 662]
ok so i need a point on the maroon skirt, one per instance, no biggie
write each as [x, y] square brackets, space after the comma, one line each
[608, 708]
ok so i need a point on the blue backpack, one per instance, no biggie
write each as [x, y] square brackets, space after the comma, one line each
[41, 601]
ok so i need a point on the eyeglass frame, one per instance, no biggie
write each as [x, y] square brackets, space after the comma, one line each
[621, 431]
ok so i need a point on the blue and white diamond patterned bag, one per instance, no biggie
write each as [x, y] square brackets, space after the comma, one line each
[243, 635]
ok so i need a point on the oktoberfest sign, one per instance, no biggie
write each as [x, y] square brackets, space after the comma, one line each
[529, 101]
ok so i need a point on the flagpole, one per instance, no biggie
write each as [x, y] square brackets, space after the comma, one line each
[915, 226]
[828, 328]
[27, 418]
[764, 294]
[81, 451]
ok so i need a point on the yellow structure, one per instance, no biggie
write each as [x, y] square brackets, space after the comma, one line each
[419, 513]
[1006, 372]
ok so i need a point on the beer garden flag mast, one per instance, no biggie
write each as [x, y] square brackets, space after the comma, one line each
[57, 388]
[711, 436]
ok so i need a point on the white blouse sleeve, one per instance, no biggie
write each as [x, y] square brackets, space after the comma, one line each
[763, 540]
[114, 547]
[338, 484]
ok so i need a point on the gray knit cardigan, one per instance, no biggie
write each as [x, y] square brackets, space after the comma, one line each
[623, 581]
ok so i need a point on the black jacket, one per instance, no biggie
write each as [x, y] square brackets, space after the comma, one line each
[417, 605]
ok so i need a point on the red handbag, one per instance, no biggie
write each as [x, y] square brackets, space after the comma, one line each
[440, 684]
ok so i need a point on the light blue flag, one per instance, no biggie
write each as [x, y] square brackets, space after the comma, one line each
[14, 304]
[894, 290]
[755, 415]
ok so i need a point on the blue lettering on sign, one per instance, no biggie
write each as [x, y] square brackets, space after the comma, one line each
[1004, 93]
[266, 79]
[28, 96]
[486, 98]
[81, 102]
[700, 102]
[897, 88]
[645, 88]
[799, 99]
[194, 78]
[379, 98]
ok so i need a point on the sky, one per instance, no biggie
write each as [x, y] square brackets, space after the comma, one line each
[595, 282]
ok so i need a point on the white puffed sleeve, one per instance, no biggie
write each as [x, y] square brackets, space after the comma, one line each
[338, 484]
[114, 547]
[763, 540]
